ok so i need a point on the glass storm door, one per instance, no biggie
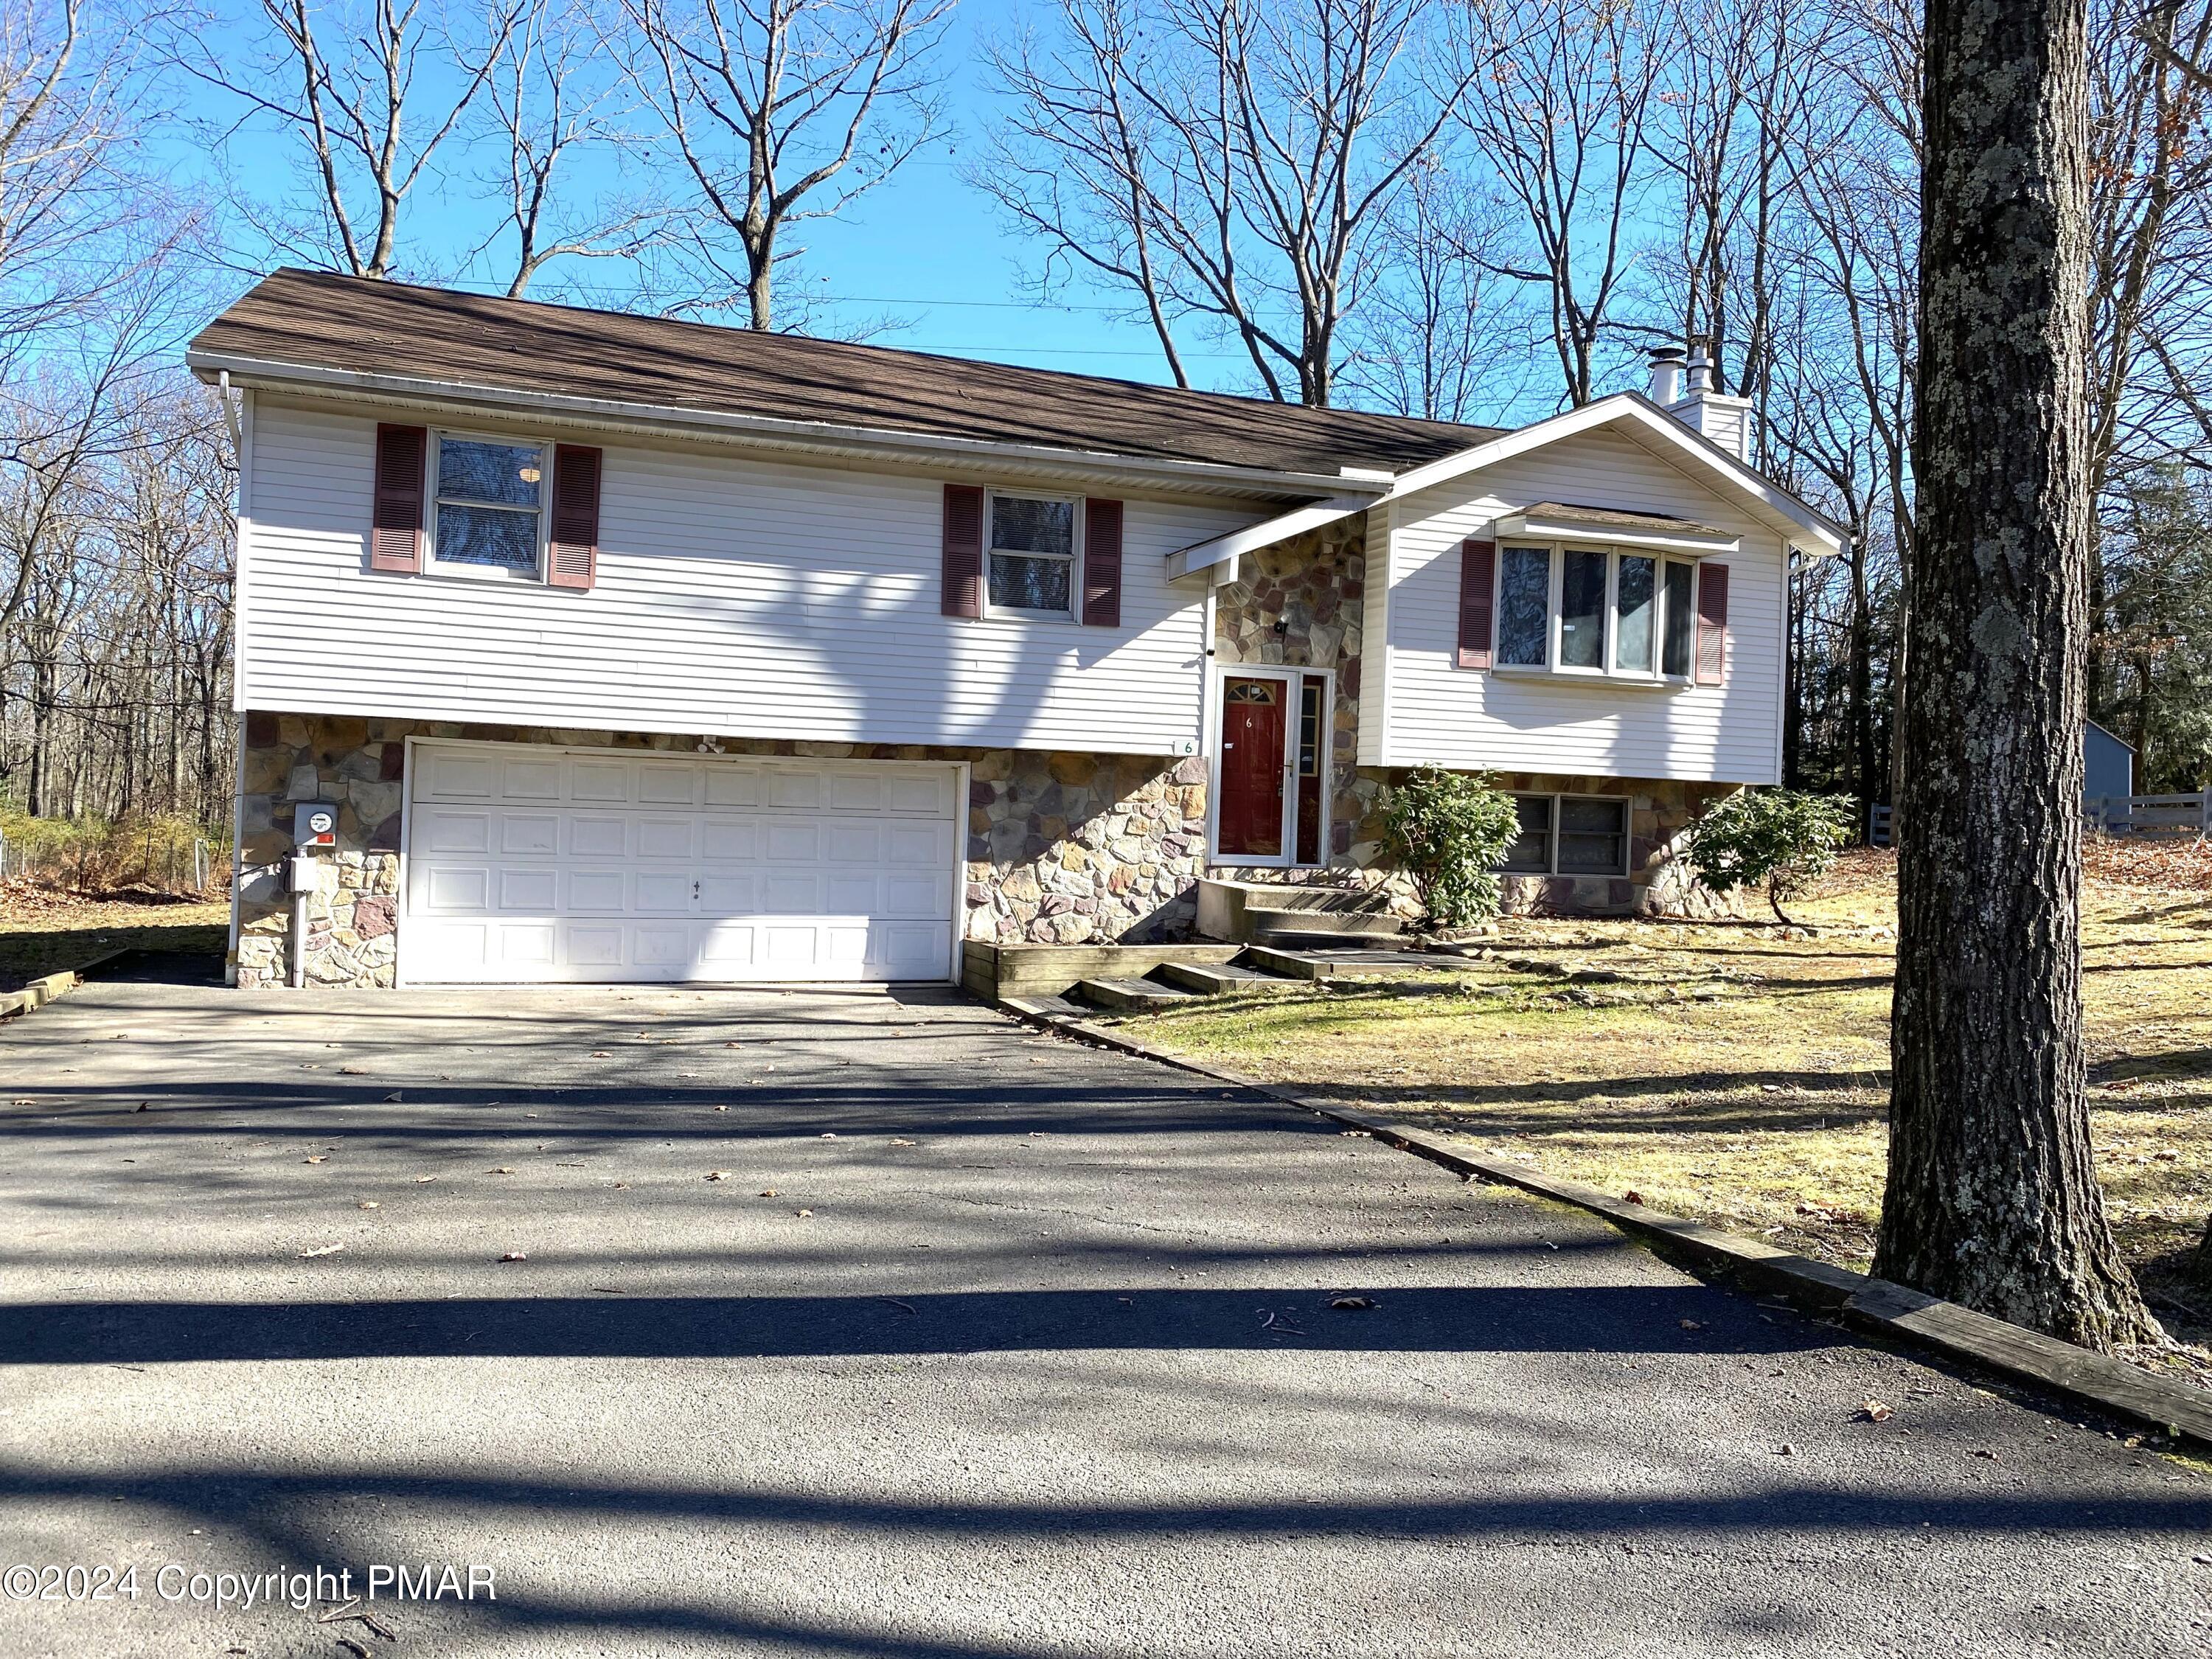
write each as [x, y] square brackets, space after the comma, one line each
[1255, 728]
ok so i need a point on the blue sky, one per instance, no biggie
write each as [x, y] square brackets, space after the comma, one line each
[924, 248]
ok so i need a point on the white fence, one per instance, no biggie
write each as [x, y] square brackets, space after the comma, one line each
[2106, 815]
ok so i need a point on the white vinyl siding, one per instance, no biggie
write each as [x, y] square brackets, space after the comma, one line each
[1417, 707]
[735, 595]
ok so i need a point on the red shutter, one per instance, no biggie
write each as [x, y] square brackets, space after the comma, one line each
[1478, 575]
[395, 524]
[1712, 623]
[572, 560]
[1102, 562]
[963, 550]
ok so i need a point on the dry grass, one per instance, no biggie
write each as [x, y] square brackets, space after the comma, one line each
[1739, 1073]
[43, 930]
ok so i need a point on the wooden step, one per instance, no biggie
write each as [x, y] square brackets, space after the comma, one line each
[1227, 980]
[1131, 995]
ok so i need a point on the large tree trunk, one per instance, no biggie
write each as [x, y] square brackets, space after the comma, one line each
[1991, 1199]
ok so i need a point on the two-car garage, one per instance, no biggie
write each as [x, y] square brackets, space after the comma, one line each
[524, 864]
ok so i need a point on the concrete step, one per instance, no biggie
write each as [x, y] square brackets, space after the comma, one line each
[1335, 901]
[1131, 995]
[1333, 963]
[1223, 981]
[1266, 919]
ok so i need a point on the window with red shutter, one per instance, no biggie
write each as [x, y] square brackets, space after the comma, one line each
[1102, 562]
[963, 593]
[572, 556]
[1712, 623]
[395, 531]
[1478, 575]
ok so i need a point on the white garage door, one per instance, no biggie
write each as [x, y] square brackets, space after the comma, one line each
[534, 863]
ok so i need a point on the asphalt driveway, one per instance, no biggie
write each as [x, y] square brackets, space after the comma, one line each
[870, 1324]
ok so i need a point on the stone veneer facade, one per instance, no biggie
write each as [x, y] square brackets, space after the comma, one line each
[1061, 847]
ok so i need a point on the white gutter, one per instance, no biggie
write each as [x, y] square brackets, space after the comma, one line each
[767, 428]
[1224, 550]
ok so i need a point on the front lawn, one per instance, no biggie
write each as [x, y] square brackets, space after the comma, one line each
[1739, 1073]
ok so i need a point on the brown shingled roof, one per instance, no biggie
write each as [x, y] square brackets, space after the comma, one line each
[319, 320]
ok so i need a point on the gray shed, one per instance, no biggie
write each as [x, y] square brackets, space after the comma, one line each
[2108, 766]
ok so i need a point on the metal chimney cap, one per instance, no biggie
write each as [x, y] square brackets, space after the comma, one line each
[1669, 353]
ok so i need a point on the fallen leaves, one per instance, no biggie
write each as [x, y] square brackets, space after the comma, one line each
[516, 1255]
[368, 1204]
[1874, 1411]
[320, 1250]
[1350, 1301]
[718, 1174]
[319, 1157]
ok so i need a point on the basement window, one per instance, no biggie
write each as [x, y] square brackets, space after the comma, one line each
[1569, 836]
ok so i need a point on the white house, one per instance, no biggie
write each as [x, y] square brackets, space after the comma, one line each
[628, 649]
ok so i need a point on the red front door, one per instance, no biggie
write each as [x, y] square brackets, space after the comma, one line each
[1253, 724]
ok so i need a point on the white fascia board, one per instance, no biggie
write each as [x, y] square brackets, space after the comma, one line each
[1806, 526]
[767, 431]
[1222, 550]
[1549, 527]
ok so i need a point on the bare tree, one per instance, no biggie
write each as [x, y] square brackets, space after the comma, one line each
[1992, 1199]
[366, 93]
[1436, 334]
[1561, 105]
[1225, 163]
[70, 120]
[783, 111]
[551, 108]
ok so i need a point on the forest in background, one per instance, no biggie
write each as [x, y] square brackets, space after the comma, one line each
[1471, 209]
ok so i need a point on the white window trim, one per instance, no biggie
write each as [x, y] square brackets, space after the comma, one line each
[1552, 666]
[1023, 613]
[1293, 676]
[1556, 797]
[432, 562]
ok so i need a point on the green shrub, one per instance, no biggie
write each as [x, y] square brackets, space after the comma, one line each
[1777, 838]
[1451, 830]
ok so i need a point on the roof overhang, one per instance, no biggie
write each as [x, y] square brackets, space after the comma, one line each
[1620, 529]
[1222, 550]
[768, 432]
[1801, 526]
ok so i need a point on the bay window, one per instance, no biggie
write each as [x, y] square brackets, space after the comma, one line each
[1589, 611]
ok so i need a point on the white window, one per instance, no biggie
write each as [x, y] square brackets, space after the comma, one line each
[1593, 611]
[1569, 835]
[488, 512]
[1030, 553]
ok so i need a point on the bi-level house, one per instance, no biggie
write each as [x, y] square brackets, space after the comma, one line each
[629, 649]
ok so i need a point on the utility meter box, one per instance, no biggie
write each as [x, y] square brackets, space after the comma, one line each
[314, 823]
